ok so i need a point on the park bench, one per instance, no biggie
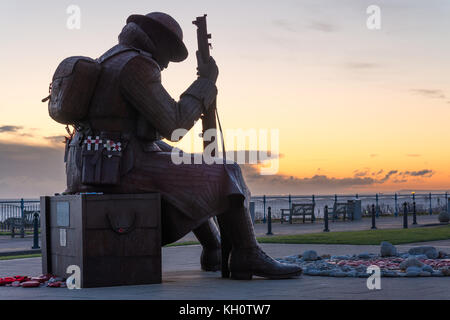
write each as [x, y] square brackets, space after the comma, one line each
[16, 224]
[299, 209]
[341, 209]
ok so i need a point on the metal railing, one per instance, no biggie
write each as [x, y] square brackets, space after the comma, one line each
[18, 216]
[385, 204]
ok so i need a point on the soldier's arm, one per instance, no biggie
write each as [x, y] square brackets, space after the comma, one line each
[141, 86]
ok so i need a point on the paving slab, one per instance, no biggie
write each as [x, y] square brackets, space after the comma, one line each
[182, 280]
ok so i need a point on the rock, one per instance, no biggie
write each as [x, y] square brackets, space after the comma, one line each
[425, 274]
[346, 268]
[419, 256]
[445, 271]
[442, 255]
[309, 255]
[429, 251]
[352, 273]
[413, 272]
[387, 249]
[410, 262]
[363, 275]
[313, 272]
[346, 257]
[324, 273]
[340, 274]
[364, 255]
[437, 273]
[427, 268]
[325, 256]
[444, 217]
[413, 269]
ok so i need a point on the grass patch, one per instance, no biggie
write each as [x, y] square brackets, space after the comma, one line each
[8, 233]
[24, 256]
[367, 237]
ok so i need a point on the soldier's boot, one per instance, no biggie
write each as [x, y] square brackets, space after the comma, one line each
[247, 259]
[209, 237]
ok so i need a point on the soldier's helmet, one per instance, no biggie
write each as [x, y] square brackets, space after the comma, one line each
[168, 26]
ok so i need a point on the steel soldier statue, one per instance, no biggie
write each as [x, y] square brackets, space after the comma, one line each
[117, 148]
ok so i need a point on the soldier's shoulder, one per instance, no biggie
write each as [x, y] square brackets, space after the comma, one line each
[142, 63]
[145, 59]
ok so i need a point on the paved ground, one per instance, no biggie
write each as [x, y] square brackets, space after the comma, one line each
[183, 280]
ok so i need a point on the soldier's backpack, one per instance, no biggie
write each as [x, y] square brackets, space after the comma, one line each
[72, 87]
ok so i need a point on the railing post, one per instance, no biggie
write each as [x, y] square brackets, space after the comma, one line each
[325, 219]
[314, 203]
[373, 217]
[290, 202]
[396, 204]
[431, 209]
[414, 213]
[405, 215]
[269, 221]
[377, 208]
[36, 231]
[264, 204]
[22, 210]
[446, 202]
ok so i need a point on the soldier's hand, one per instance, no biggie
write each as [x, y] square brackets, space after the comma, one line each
[207, 70]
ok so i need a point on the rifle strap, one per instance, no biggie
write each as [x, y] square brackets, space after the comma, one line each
[221, 137]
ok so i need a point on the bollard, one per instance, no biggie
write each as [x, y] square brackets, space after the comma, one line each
[22, 210]
[414, 213]
[396, 205]
[446, 201]
[36, 231]
[325, 219]
[377, 207]
[264, 204]
[269, 221]
[373, 217]
[431, 209]
[405, 215]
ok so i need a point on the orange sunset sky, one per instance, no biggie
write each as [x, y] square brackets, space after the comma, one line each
[357, 110]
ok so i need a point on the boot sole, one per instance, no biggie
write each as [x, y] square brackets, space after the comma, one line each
[248, 276]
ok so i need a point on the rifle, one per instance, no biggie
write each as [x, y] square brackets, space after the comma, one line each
[209, 118]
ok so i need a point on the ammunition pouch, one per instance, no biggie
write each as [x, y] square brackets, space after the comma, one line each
[101, 158]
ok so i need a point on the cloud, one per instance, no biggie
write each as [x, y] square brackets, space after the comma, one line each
[319, 183]
[322, 26]
[425, 172]
[14, 130]
[373, 155]
[430, 93]
[56, 139]
[388, 175]
[284, 24]
[10, 128]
